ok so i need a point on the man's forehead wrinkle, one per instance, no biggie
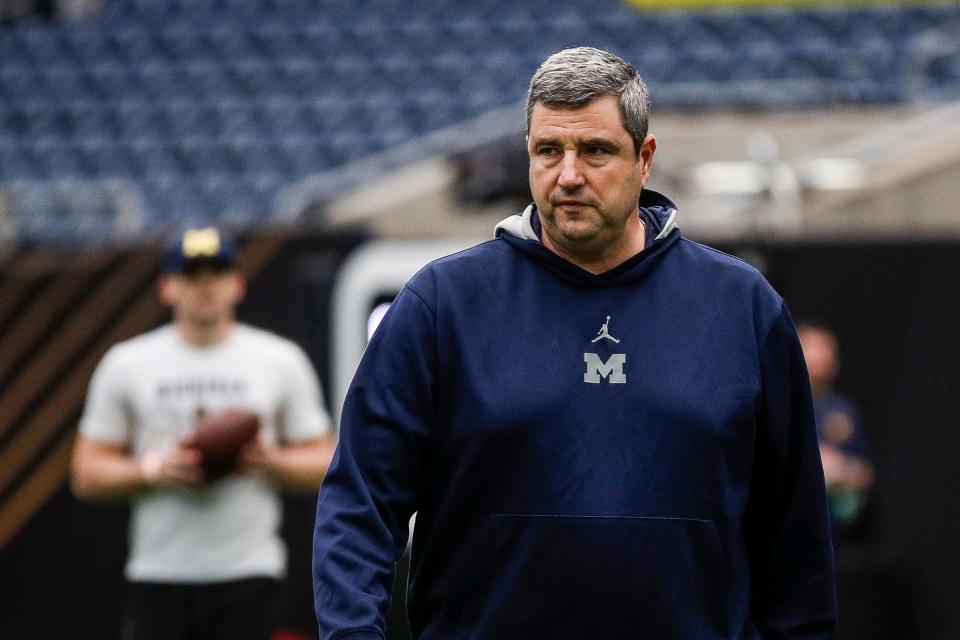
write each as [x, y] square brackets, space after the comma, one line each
[582, 132]
[588, 122]
[572, 118]
[562, 120]
[582, 122]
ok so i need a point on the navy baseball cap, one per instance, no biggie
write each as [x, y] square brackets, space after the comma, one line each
[199, 246]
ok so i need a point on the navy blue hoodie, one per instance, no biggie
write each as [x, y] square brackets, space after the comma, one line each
[624, 455]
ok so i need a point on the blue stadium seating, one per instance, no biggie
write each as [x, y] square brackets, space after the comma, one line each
[214, 106]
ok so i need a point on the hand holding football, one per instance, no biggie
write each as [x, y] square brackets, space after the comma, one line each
[221, 437]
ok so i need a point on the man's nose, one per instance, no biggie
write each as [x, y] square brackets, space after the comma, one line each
[571, 177]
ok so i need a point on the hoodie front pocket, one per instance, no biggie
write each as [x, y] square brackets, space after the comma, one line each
[596, 576]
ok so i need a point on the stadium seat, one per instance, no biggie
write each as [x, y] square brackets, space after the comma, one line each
[213, 107]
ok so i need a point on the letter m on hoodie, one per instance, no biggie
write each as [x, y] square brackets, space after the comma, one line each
[611, 369]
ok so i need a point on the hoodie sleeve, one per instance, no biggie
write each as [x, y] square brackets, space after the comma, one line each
[370, 491]
[787, 523]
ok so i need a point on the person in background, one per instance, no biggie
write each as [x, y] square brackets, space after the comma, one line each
[844, 449]
[205, 556]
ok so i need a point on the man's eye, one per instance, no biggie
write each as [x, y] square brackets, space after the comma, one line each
[547, 151]
[596, 151]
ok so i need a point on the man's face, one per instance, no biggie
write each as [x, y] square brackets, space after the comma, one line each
[820, 353]
[204, 294]
[585, 174]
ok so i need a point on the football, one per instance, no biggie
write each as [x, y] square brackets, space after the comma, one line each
[220, 437]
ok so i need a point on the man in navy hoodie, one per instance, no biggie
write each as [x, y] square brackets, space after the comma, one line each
[605, 429]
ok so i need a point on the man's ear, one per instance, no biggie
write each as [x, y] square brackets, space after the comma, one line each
[167, 289]
[647, 149]
[240, 287]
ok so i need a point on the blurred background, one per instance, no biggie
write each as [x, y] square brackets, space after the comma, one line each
[347, 142]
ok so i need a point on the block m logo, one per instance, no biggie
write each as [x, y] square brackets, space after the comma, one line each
[611, 369]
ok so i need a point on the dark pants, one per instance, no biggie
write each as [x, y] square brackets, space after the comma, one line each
[238, 610]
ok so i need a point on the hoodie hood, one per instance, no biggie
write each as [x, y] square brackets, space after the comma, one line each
[522, 231]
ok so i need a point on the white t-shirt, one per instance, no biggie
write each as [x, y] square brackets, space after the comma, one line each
[146, 394]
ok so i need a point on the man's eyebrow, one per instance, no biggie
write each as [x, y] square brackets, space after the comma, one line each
[545, 140]
[586, 142]
[599, 142]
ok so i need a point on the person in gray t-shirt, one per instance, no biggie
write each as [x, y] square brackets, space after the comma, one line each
[205, 553]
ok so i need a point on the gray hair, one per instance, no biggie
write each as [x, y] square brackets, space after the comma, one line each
[575, 77]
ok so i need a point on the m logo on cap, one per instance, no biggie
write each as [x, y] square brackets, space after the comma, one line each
[200, 243]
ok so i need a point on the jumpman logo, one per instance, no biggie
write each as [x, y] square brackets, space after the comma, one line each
[605, 333]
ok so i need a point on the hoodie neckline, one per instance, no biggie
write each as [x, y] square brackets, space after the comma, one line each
[522, 232]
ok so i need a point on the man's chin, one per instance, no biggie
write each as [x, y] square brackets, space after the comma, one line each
[578, 231]
[204, 320]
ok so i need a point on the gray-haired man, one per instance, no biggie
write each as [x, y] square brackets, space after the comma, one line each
[664, 483]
